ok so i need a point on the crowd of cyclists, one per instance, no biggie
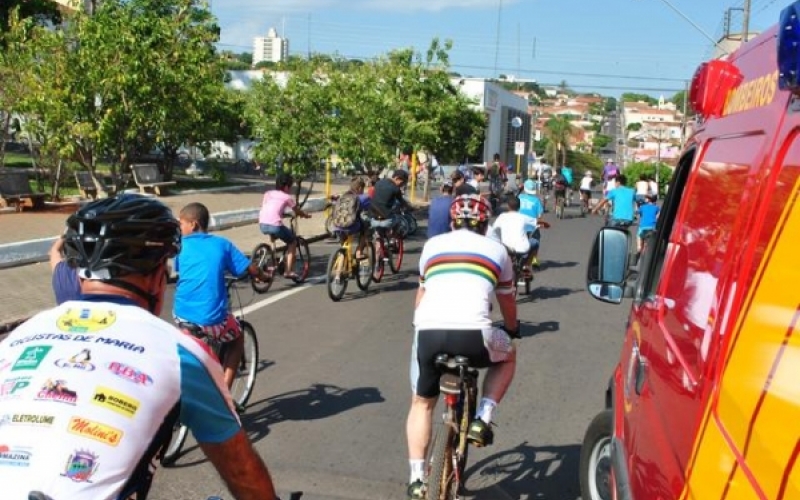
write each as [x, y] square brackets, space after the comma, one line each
[110, 273]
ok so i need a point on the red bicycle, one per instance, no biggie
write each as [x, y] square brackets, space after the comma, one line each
[389, 247]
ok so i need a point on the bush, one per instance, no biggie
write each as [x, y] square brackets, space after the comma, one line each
[218, 173]
[634, 170]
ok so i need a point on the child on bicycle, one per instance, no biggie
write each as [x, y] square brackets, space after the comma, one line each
[511, 229]
[270, 218]
[648, 215]
[200, 295]
[360, 206]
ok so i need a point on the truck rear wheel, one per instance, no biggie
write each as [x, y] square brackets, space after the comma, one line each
[595, 466]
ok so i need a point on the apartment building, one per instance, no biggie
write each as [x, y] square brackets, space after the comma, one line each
[270, 48]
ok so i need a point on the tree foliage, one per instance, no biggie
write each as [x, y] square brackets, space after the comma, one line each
[636, 169]
[632, 97]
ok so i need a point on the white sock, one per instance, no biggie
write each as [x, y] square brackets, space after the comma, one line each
[417, 470]
[486, 409]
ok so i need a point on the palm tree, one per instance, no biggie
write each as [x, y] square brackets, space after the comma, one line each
[558, 130]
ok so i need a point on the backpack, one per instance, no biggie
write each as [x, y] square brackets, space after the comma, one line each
[560, 184]
[345, 210]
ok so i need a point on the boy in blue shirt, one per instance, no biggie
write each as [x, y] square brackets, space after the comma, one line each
[531, 206]
[622, 200]
[200, 294]
[648, 215]
[439, 212]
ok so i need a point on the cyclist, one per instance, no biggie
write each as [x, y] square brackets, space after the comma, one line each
[511, 228]
[270, 218]
[586, 188]
[466, 264]
[106, 377]
[623, 200]
[388, 195]
[566, 172]
[498, 178]
[648, 216]
[439, 212]
[200, 295]
[362, 203]
[478, 176]
[65, 281]
[531, 206]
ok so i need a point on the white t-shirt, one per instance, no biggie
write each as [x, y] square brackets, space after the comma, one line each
[586, 183]
[474, 183]
[84, 388]
[509, 229]
[459, 271]
[642, 187]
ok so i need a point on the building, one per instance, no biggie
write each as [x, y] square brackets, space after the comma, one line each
[270, 48]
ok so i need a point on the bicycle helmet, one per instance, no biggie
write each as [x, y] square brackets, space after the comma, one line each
[470, 210]
[121, 235]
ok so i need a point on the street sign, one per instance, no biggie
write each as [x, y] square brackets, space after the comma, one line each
[519, 148]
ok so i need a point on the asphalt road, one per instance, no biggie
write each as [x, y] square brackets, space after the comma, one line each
[328, 413]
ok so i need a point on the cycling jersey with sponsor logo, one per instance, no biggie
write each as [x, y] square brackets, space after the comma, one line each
[84, 389]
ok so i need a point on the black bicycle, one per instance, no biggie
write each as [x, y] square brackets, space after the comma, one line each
[245, 380]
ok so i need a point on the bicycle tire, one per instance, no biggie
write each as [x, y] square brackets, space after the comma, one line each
[364, 279]
[379, 267]
[336, 281]
[245, 380]
[302, 260]
[263, 259]
[396, 252]
[175, 446]
[440, 477]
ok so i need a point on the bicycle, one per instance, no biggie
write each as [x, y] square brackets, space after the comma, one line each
[388, 247]
[245, 380]
[343, 265]
[264, 256]
[295, 495]
[449, 450]
[560, 201]
[518, 261]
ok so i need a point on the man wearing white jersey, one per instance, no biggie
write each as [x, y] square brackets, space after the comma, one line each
[90, 390]
[466, 268]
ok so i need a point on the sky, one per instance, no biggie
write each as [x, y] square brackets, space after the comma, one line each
[605, 46]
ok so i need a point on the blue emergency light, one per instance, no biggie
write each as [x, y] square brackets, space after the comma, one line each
[789, 48]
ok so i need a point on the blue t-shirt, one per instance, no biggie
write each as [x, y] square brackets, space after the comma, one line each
[648, 214]
[439, 216]
[530, 205]
[66, 284]
[622, 199]
[200, 295]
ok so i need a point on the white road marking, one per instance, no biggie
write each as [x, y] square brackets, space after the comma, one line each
[280, 296]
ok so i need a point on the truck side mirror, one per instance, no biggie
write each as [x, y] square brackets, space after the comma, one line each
[608, 265]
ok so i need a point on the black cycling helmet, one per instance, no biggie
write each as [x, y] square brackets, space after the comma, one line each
[283, 180]
[121, 235]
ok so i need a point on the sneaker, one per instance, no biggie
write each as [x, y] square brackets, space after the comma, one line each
[480, 433]
[416, 490]
[535, 262]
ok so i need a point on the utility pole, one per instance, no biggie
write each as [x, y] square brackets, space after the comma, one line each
[497, 40]
[683, 125]
[746, 21]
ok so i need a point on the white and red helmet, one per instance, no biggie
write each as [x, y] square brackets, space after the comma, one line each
[470, 208]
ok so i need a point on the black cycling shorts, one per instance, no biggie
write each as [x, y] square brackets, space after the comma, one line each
[430, 343]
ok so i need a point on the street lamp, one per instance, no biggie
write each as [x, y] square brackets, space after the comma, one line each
[516, 123]
[660, 130]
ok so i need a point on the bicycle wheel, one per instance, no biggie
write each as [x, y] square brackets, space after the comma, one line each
[264, 260]
[336, 276]
[173, 450]
[396, 252]
[364, 268]
[245, 379]
[560, 208]
[379, 267]
[302, 260]
[441, 478]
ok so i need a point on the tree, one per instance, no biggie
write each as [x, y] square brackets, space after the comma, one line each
[559, 130]
[678, 99]
[610, 104]
[42, 12]
[631, 97]
[634, 127]
[636, 169]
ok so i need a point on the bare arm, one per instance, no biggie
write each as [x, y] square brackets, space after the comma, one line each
[300, 212]
[55, 253]
[241, 468]
[508, 308]
[420, 294]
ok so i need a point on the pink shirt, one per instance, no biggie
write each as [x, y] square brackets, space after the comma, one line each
[273, 206]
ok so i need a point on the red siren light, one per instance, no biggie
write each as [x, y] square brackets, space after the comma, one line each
[710, 86]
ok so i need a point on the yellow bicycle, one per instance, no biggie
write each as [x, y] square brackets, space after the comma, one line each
[343, 266]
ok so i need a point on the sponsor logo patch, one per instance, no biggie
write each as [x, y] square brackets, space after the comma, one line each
[115, 401]
[14, 456]
[11, 387]
[94, 430]
[129, 373]
[31, 357]
[57, 390]
[80, 361]
[27, 419]
[81, 466]
[86, 320]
